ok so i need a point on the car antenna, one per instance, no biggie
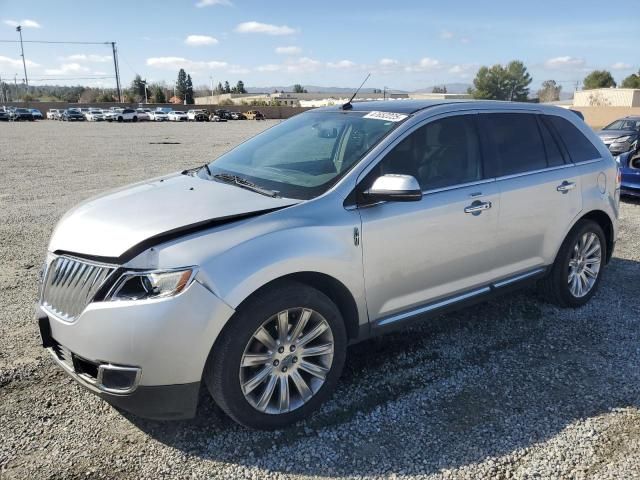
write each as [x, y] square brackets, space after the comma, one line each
[348, 106]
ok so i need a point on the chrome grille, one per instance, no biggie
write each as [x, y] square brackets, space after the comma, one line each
[71, 284]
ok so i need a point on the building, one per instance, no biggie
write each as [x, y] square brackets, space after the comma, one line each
[607, 97]
[290, 99]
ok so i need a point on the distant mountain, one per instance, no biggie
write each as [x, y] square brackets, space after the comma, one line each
[451, 88]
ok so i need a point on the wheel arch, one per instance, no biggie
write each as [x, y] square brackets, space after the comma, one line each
[605, 222]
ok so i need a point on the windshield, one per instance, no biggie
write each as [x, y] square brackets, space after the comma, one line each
[624, 124]
[307, 154]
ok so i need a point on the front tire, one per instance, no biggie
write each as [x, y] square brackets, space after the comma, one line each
[577, 270]
[279, 358]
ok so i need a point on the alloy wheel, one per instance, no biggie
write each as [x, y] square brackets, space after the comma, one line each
[286, 361]
[584, 264]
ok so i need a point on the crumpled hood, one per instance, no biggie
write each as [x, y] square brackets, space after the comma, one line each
[611, 134]
[114, 223]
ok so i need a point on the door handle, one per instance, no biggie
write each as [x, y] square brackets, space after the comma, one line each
[565, 186]
[476, 207]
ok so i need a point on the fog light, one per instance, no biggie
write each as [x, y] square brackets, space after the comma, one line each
[114, 379]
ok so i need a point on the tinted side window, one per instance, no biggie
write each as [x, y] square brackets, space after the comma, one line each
[579, 147]
[440, 154]
[514, 142]
[554, 156]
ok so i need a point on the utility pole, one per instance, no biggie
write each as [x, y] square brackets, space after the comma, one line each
[211, 101]
[115, 66]
[24, 63]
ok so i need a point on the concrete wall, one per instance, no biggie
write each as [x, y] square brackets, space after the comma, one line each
[607, 97]
[269, 112]
[598, 117]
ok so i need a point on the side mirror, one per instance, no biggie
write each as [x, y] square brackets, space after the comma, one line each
[398, 188]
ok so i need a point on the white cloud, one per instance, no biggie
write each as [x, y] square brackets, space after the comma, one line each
[266, 28]
[342, 64]
[211, 3]
[26, 23]
[81, 57]
[175, 63]
[446, 35]
[271, 67]
[621, 66]
[291, 50]
[425, 64]
[303, 64]
[388, 62]
[9, 63]
[565, 62]
[67, 68]
[200, 40]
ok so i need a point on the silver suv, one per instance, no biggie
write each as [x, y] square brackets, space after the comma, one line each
[254, 272]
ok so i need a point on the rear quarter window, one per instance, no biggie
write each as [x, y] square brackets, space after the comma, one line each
[579, 147]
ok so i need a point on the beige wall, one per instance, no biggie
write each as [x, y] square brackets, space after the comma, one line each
[598, 117]
[607, 97]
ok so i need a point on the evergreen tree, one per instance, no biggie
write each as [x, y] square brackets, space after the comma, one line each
[227, 88]
[158, 94]
[598, 79]
[240, 87]
[189, 91]
[181, 85]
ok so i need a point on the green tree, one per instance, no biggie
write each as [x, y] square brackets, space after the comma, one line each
[105, 97]
[181, 84]
[438, 89]
[227, 87]
[158, 94]
[598, 79]
[219, 88]
[137, 89]
[549, 92]
[240, 87]
[510, 82]
[189, 92]
[632, 81]
[297, 88]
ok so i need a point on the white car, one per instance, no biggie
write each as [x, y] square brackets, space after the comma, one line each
[143, 114]
[197, 116]
[94, 115]
[53, 114]
[158, 116]
[177, 116]
[122, 115]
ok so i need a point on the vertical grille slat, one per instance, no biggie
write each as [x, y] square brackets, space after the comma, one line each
[71, 284]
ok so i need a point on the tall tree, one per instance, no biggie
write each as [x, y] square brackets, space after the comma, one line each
[158, 94]
[598, 79]
[227, 88]
[632, 81]
[137, 89]
[438, 89]
[297, 88]
[510, 82]
[181, 84]
[219, 88]
[549, 92]
[240, 87]
[189, 91]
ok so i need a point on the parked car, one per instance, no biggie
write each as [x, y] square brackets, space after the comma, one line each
[72, 115]
[143, 114]
[177, 116]
[237, 116]
[20, 114]
[122, 115]
[112, 113]
[4, 115]
[94, 115]
[52, 113]
[622, 136]
[197, 116]
[629, 163]
[254, 115]
[223, 114]
[216, 118]
[84, 111]
[254, 272]
[36, 114]
[158, 116]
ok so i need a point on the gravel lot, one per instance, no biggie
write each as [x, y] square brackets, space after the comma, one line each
[512, 388]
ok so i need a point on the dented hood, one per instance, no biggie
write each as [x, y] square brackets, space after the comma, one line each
[123, 222]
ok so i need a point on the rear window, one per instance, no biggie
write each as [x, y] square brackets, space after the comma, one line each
[579, 147]
[514, 143]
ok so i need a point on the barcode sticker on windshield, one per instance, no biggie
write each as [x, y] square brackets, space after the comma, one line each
[386, 116]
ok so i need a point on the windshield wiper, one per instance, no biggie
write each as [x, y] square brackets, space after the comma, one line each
[244, 183]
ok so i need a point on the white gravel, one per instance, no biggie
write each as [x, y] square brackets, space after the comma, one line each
[512, 388]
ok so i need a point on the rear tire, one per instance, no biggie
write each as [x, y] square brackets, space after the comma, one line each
[575, 274]
[288, 391]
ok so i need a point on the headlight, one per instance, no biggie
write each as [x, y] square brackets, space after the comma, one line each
[626, 138]
[146, 285]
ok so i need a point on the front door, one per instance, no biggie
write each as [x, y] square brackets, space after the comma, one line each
[419, 252]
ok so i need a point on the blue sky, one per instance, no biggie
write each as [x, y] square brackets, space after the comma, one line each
[404, 44]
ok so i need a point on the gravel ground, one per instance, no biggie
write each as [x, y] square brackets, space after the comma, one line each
[512, 388]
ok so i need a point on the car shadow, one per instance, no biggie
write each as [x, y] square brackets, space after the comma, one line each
[484, 382]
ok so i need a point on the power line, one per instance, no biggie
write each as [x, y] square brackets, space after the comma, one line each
[52, 41]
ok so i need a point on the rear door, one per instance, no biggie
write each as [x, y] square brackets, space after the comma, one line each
[539, 189]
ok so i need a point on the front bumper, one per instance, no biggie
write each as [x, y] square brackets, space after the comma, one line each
[166, 340]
